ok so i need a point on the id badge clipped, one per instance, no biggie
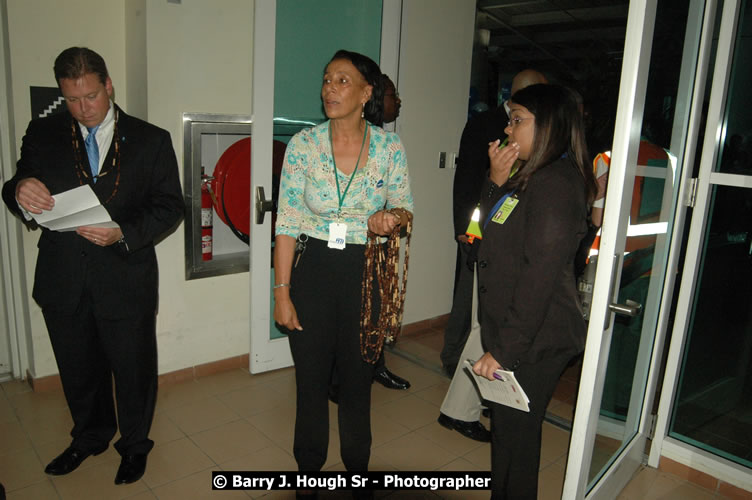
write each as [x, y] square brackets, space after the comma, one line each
[505, 210]
[337, 235]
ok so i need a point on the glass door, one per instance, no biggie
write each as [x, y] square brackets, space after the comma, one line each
[705, 414]
[641, 234]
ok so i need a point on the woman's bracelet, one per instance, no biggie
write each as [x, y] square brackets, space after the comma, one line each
[280, 285]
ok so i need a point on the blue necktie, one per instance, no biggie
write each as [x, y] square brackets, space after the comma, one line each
[92, 151]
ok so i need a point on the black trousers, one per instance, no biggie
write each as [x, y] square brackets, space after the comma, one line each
[326, 292]
[516, 435]
[90, 352]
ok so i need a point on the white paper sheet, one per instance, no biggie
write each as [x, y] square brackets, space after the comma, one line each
[75, 208]
[504, 390]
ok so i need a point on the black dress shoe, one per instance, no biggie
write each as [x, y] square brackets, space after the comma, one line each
[390, 380]
[69, 460]
[472, 430]
[131, 469]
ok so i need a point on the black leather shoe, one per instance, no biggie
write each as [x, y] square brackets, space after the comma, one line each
[472, 430]
[390, 380]
[69, 460]
[131, 469]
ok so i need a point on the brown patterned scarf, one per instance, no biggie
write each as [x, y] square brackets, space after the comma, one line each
[382, 263]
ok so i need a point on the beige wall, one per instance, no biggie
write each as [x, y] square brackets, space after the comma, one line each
[198, 60]
[434, 84]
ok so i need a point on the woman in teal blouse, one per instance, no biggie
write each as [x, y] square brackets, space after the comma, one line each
[337, 182]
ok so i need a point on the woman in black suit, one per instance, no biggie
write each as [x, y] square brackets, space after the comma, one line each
[534, 218]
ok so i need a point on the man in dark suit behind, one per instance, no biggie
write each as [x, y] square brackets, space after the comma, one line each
[97, 286]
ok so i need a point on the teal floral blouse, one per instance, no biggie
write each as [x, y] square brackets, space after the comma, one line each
[308, 199]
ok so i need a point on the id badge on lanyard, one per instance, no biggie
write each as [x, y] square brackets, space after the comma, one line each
[506, 208]
[337, 235]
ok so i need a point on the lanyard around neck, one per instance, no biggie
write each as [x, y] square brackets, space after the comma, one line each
[341, 197]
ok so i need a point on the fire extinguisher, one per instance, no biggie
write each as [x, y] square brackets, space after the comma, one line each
[206, 216]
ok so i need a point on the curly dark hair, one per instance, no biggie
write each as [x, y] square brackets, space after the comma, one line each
[374, 108]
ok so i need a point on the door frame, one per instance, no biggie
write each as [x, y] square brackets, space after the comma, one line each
[265, 353]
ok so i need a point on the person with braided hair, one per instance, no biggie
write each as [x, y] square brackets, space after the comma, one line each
[339, 180]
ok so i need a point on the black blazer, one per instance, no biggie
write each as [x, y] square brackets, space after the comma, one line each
[121, 280]
[527, 290]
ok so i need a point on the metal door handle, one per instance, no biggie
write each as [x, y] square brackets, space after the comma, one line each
[262, 205]
[631, 308]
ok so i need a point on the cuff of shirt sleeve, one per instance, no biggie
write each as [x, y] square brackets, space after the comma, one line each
[26, 214]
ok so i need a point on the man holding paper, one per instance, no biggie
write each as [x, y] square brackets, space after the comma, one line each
[97, 285]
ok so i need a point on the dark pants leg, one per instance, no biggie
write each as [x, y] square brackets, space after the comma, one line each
[458, 326]
[131, 346]
[90, 352]
[85, 374]
[325, 289]
[516, 435]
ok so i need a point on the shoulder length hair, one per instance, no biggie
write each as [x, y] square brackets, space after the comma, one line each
[374, 108]
[559, 130]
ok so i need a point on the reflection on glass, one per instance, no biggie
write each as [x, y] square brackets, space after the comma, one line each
[713, 410]
[736, 140]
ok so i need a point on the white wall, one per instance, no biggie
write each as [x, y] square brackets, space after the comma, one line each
[198, 58]
[434, 85]
[135, 58]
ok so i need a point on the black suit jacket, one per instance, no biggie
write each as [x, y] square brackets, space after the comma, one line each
[121, 280]
[527, 290]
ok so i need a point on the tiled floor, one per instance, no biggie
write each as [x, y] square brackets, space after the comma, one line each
[235, 421]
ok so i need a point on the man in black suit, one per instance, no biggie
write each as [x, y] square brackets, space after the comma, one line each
[97, 286]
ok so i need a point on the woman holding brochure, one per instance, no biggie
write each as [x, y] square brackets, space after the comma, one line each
[533, 220]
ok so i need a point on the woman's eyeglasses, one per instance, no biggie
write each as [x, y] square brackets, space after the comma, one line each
[516, 121]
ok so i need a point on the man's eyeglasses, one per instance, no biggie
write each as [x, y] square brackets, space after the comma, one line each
[516, 121]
